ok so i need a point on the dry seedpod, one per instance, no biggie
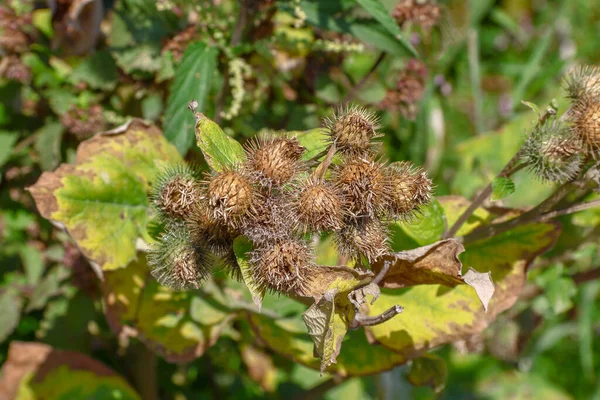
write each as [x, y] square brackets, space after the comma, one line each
[585, 117]
[176, 192]
[283, 266]
[368, 237]
[216, 235]
[352, 129]
[175, 261]
[273, 161]
[230, 196]
[364, 185]
[269, 221]
[318, 206]
[582, 81]
[410, 188]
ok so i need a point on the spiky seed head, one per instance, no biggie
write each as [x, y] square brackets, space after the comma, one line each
[230, 196]
[318, 206]
[368, 238]
[175, 192]
[364, 186]
[176, 261]
[582, 81]
[269, 221]
[216, 234]
[274, 160]
[410, 188]
[352, 129]
[282, 267]
[552, 153]
[585, 117]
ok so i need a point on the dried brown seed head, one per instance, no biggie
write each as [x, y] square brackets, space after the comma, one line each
[270, 220]
[282, 267]
[230, 196]
[177, 262]
[318, 206]
[410, 188]
[585, 117]
[215, 234]
[352, 129]
[273, 161]
[83, 123]
[425, 13]
[364, 186]
[368, 238]
[176, 192]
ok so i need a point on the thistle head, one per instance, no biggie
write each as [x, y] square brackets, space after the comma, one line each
[230, 196]
[175, 192]
[410, 188]
[178, 262]
[368, 238]
[364, 186]
[274, 161]
[585, 123]
[552, 152]
[352, 130]
[269, 220]
[283, 266]
[582, 81]
[318, 206]
[217, 236]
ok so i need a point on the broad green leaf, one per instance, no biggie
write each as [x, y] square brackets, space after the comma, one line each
[379, 12]
[429, 370]
[518, 385]
[502, 187]
[455, 206]
[7, 142]
[35, 371]
[98, 71]
[193, 80]
[220, 151]
[434, 314]
[314, 140]
[48, 287]
[428, 226]
[288, 337]
[180, 326]
[33, 264]
[47, 144]
[11, 303]
[102, 199]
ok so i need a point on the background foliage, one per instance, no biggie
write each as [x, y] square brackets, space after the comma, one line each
[449, 97]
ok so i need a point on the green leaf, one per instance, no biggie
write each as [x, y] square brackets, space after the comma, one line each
[220, 151]
[429, 225]
[435, 314]
[11, 304]
[49, 286]
[180, 326]
[33, 263]
[314, 140]
[502, 187]
[379, 12]
[47, 144]
[98, 71]
[108, 183]
[429, 370]
[7, 142]
[193, 80]
[61, 375]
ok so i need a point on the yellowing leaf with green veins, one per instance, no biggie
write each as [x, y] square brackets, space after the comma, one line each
[220, 151]
[35, 371]
[435, 314]
[288, 337]
[180, 326]
[102, 199]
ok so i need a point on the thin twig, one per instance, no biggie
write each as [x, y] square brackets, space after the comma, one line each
[510, 168]
[365, 320]
[364, 79]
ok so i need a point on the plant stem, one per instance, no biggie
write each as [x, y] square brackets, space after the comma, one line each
[364, 79]
[510, 168]
[365, 320]
[143, 371]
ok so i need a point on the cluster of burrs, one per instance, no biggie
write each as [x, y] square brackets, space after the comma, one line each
[281, 200]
